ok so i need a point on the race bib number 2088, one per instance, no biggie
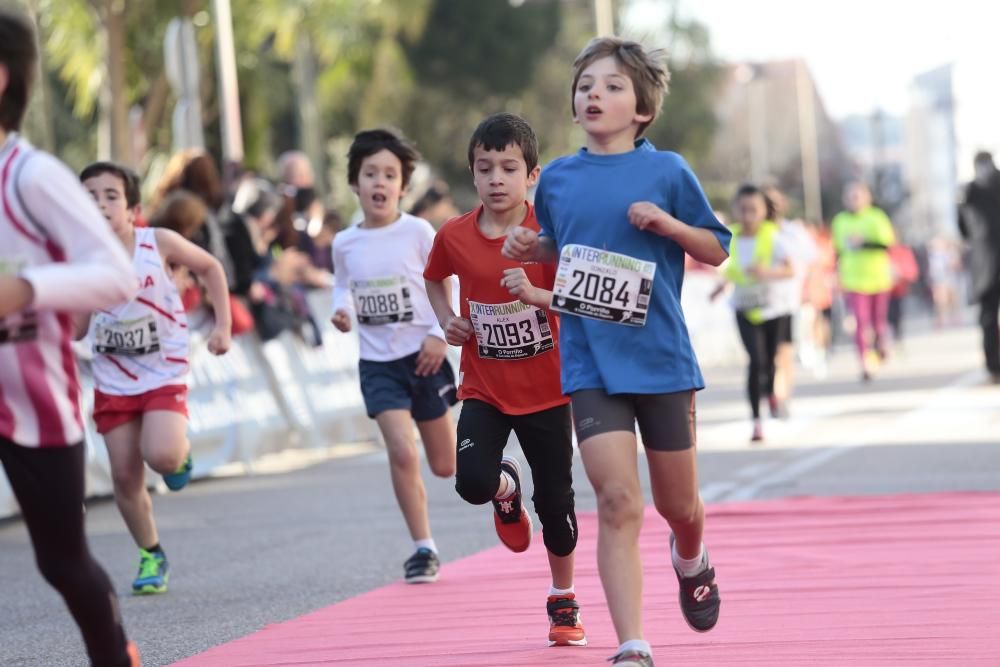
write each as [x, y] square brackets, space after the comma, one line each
[603, 285]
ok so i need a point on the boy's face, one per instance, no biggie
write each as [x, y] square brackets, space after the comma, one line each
[501, 177]
[857, 197]
[380, 186]
[109, 193]
[604, 103]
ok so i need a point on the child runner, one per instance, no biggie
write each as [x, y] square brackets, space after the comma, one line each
[378, 273]
[758, 261]
[510, 366]
[618, 217]
[56, 257]
[141, 363]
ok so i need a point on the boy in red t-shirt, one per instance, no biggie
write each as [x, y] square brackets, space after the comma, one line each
[510, 362]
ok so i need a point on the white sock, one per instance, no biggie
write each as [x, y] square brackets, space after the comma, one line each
[562, 591]
[690, 567]
[636, 645]
[426, 544]
[509, 486]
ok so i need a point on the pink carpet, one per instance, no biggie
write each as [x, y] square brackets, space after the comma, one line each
[892, 580]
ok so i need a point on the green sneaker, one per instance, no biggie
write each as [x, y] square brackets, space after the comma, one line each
[153, 573]
[178, 479]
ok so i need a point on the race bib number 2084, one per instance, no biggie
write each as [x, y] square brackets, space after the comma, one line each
[603, 285]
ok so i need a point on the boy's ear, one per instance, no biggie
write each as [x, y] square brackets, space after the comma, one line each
[641, 118]
[4, 78]
[354, 188]
[533, 175]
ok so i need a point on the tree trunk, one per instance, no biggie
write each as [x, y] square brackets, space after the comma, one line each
[113, 18]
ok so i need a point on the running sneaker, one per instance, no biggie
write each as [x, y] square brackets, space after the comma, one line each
[699, 596]
[632, 659]
[133, 655]
[178, 479]
[153, 573]
[422, 567]
[565, 628]
[758, 432]
[509, 517]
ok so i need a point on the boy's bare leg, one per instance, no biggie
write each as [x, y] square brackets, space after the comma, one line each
[438, 436]
[674, 478]
[164, 440]
[404, 467]
[610, 460]
[562, 570]
[129, 479]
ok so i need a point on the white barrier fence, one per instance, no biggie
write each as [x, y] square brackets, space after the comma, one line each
[263, 398]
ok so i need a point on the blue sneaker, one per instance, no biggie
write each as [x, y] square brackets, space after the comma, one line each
[178, 479]
[153, 573]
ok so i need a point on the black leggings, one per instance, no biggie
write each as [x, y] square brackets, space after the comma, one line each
[546, 439]
[48, 485]
[761, 341]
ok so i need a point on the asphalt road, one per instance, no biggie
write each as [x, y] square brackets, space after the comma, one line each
[249, 551]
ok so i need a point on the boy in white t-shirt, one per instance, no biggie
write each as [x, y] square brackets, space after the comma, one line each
[378, 270]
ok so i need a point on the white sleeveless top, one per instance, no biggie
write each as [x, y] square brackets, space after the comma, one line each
[142, 344]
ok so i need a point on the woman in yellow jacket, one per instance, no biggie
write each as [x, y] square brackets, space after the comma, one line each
[757, 258]
[862, 236]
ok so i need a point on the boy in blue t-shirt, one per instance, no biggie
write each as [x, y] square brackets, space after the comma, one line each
[618, 217]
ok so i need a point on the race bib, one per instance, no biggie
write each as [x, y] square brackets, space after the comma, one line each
[750, 297]
[19, 327]
[603, 285]
[128, 338]
[382, 300]
[510, 330]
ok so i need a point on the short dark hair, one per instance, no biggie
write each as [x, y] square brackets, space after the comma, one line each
[983, 157]
[129, 179]
[369, 142]
[751, 190]
[18, 54]
[502, 130]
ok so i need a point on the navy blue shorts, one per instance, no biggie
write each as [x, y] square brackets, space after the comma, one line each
[394, 385]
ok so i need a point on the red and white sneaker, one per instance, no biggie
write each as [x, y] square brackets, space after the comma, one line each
[509, 516]
[565, 628]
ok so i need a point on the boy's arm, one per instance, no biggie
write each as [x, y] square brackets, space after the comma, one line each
[456, 329]
[516, 282]
[175, 249]
[526, 245]
[343, 307]
[702, 244]
[96, 273]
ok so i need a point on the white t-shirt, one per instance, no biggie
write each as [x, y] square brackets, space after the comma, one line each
[801, 251]
[379, 281]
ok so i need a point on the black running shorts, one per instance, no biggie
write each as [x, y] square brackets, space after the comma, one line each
[666, 421]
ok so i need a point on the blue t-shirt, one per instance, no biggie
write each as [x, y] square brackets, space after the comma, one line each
[584, 199]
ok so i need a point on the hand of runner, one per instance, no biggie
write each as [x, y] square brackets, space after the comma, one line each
[15, 294]
[219, 341]
[458, 330]
[521, 244]
[342, 320]
[431, 356]
[516, 282]
[649, 217]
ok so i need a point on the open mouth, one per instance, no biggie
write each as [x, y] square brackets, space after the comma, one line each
[592, 111]
[379, 198]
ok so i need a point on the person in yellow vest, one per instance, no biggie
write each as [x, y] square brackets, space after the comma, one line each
[862, 236]
[758, 259]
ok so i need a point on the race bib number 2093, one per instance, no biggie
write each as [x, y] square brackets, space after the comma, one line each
[603, 285]
[510, 331]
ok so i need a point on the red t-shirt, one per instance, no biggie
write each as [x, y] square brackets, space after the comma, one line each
[512, 362]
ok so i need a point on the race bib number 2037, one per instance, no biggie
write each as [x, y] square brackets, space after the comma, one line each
[603, 285]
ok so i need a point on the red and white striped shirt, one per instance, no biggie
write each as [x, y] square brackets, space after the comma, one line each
[142, 344]
[53, 236]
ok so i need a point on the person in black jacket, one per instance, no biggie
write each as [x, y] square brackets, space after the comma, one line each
[979, 223]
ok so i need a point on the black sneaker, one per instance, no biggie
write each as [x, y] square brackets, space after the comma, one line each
[422, 567]
[699, 596]
[632, 659]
